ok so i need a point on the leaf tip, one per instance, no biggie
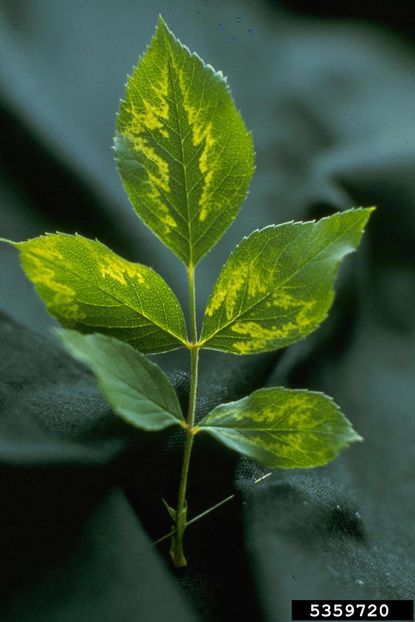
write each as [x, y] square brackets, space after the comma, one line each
[369, 210]
[355, 437]
[10, 242]
[365, 211]
[162, 28]
[66, 335]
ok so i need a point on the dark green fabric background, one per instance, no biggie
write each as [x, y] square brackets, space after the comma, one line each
[330, 101]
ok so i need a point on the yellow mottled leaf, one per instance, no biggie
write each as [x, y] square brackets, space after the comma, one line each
[87, 286]
[277, 286]
[182, 149]
[283, 428]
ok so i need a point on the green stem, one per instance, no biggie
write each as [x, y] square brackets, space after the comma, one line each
[176, 549]
[192, 303]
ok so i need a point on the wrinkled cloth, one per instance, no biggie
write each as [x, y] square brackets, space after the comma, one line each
[330, 105]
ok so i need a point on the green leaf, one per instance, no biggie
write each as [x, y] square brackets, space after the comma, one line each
[182, 149]
[87, 286]
[136, 388]
[282, 428]
[277, 286]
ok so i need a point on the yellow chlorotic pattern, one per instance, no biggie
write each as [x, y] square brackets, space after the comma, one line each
[87, 286]
[282, 427]
[277, 286]
[182, 149]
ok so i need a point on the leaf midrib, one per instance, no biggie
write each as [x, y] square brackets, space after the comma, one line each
[183, 165]
[240, 430]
